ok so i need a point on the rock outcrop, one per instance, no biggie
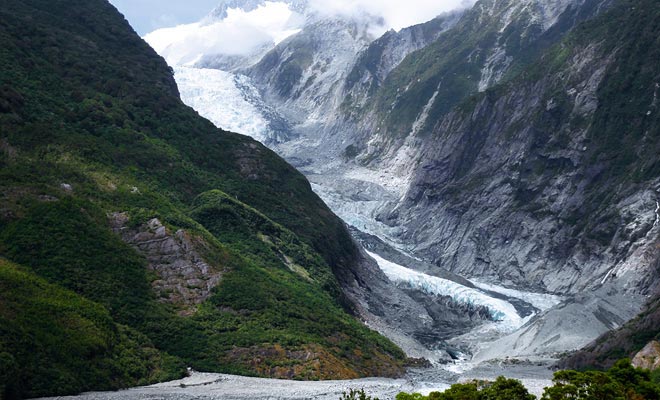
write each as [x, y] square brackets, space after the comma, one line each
[648, 357]
[184, 278]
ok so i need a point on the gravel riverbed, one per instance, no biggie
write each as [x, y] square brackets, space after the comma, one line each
[203, 386]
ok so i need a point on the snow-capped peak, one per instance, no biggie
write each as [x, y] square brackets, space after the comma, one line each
[220, 12]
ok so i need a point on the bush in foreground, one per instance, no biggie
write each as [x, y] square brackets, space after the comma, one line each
[621, 382]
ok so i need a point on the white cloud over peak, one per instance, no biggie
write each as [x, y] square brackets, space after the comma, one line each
[240, 33]
[243, 33]
[396, 14]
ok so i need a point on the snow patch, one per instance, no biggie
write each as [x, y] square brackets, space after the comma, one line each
[424, 115]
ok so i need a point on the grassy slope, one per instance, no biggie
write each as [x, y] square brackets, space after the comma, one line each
[84, 101]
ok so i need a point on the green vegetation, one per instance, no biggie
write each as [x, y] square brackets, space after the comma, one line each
[55, 342]
[501, 389]
[68, 243]
[91, 125]
[622, 381]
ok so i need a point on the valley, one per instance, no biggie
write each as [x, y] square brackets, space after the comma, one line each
[300, 198]
[488, 259]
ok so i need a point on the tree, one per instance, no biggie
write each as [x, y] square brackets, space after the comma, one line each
[621, 382]
[505, 389]
[459, 391]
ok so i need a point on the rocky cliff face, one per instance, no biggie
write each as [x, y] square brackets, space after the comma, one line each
[489, 42]
[544, 183]
[648, 357]
[184, 278]
[524, 187]
[301, 74]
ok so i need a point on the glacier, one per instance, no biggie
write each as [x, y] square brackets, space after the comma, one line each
[541, 301]
[503, 312]
[226, 99]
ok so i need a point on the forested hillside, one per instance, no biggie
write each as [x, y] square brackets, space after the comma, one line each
[129, 219]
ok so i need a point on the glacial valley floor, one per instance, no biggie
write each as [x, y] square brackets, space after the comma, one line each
[205, 386]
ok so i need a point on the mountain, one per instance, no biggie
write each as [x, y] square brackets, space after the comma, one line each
[570, 152]
[514, 143]
[220, 11]
[131, 228]
[547, 180]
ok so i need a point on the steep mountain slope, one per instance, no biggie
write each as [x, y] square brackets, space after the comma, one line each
[491, 39]
[307, 76]
[374, 63]
[300, 74]
[550, 181]
[623, 342]
[202, 240]
[310, 77]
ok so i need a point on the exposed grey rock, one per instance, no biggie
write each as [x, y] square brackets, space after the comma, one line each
[390, 311]
[478, 208]
[185, 279]
[220, 11]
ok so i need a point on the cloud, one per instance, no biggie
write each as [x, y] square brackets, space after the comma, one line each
[240, 33]
[396, 14]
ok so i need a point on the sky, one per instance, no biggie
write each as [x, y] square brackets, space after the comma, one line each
[148, 15]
